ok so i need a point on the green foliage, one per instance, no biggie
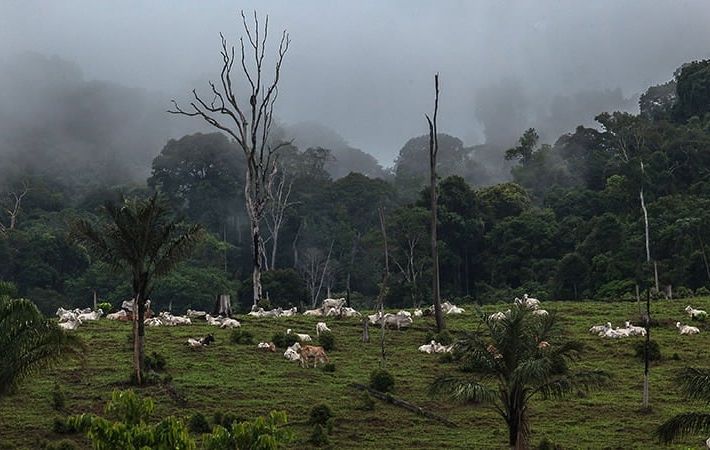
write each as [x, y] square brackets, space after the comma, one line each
[615, 290]
[8, 289]
[61, 425]
[105, 307]
[284, 340]
[30, 342]
[155, 362]
[58, 398]
[366, 402]
[242, 337]
[443, 338]
[320, 414]
[226, 419]
[130, 428]
[198, 423]
[693, 90]
[381, 380]
[263, 433]
[702, 292]
[319, 437]
[285, 287]
[654, 350]
[327, 340]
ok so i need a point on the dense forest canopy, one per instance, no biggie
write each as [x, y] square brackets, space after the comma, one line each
[554, 216]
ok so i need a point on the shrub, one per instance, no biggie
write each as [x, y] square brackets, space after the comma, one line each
[64, 444]
[654, 350]
[366, 402]
[616, 289]
[682, 292]
[240, 336]
[264, 303]
[149, 377]
[198, 423]
[546, 444]
[381, 380]
[329, 367]
[262, 433]
[283, 340]
[58, 397]
[105, 307]
[155, 362]
[443, 338]
[8, 288]
[319, 437]
[702, 292]
[320, 414]
[63, 426]
[226, 420]
[327, 340]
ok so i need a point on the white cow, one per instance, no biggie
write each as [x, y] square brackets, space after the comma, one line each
[70, 325]
[301, 337]
[293, 352]
[418, 313]
[119, 315]
[696, 313]
[90, 316]
[321, 327]
[686, 329]
[230, 323]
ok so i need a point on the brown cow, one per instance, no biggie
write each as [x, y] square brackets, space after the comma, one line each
[312, 352]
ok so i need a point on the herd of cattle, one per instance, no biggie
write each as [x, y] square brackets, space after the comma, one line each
[299, 351]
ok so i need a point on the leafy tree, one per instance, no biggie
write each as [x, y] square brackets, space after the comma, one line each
[29, 342]
[693, 90]
[141, 236]
[572, 271]
[526, 147]
[512, 361]
[503, 200]
[695, 385]
[263, 433]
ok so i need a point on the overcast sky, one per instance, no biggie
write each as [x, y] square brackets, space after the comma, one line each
[365, 67]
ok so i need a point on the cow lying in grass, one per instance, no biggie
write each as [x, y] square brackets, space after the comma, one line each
[202, 342]
[314, 353]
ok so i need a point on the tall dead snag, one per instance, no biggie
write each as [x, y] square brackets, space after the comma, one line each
[647, 316]
[13, 208]
[383, 288]
[433, 151]
[279, 194]
[248, 121]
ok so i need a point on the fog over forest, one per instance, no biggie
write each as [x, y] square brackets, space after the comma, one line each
[363, 70]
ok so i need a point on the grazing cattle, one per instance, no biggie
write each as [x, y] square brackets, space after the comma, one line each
[70, 325]
[686, 329]
[696, 313]
[90, 316]
[313, 312]
[201, 342]
[346, 311]
[435, 347]
[598, 329]
[266, 346]
[312, 352]
[289, 312]
[119, 315]
[540, 312]
[153, 322]
[214, 321]
[397, 321]
[301, 337]
[196, 314]
[374, 318]
[292, 353]
[449, 308]
[634, 330]
[418, 313]
[320, 327]
[333, 303]
[230, 323]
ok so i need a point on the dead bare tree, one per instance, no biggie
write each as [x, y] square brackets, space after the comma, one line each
[433, 151]
[313, 268]
[279, 194]
[248, 120]
[14, 207]
[383, 287]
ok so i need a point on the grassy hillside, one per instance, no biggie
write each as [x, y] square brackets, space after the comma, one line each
[239, 379]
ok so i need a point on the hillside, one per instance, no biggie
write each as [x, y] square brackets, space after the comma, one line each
[239, 379]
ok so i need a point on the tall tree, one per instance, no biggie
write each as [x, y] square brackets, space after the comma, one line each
[433, 150]
[29, 342]
[514, 360]
[140, 235]
[249, 124]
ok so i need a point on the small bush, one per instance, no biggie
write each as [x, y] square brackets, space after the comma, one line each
[58, 398]
[320, 414]
[329, 367]
[64, 444]
[443, 338]
[283, 340]
[155, 362]
[675, 357]
[654, 350]
[702, 292]
[367, 403]
[319, 437]
[226, 419]
[546, 444]
[682, 292]
[242, 337]
[327, 340]
[198, 424]
[264, 303]
[149, 377]
[381, 380]
[62, 426]
[105, 307]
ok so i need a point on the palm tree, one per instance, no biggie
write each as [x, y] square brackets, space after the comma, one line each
[142, 236]
[695, 384]
[508, 362]
[29, 342]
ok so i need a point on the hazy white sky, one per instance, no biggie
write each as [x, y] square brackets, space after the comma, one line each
[365, 67]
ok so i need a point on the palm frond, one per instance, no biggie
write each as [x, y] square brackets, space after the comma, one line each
[682, 425]
[462, 390]
[695, 383]
[564, 385]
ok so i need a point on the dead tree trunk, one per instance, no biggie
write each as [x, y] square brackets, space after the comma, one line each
[433, 151]
[14, 209]
[248, 121]
[647, 318]
[383, 288]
